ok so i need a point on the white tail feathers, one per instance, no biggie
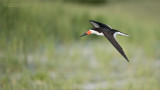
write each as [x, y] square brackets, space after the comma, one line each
[120, 33]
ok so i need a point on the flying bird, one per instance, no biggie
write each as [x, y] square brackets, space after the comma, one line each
[101, 29]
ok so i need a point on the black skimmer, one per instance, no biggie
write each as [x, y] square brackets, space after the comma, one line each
[105, 30]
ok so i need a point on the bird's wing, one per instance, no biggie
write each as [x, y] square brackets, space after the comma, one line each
[96, 24]
[111, 37]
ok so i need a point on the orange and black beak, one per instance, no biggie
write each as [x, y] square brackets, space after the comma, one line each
[86, 33]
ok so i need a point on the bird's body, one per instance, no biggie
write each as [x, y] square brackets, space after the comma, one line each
[101, 29]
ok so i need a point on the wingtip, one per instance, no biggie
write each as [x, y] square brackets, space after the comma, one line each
[90, 20]
[127, 59]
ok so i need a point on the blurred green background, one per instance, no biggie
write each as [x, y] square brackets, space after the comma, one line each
[40, 47]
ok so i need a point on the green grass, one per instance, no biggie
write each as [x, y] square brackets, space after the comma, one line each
[79, 66]
[40, 46]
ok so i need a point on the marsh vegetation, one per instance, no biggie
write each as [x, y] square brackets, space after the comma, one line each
[40, 47]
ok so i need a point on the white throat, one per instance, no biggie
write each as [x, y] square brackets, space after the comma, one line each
[95, 32]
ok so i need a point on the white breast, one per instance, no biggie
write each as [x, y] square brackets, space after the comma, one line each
[95, 32]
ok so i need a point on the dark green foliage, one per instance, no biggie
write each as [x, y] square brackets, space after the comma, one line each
[94, 2]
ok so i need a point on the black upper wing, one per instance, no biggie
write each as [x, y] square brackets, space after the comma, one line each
[110, 36]
[96, 24]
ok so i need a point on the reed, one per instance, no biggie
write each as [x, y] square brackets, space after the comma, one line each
[40, 47]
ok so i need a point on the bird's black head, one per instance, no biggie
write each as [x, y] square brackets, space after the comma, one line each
[97, 28]
[87, 33]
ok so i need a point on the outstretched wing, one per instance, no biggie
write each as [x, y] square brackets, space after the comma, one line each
[96, 24]
[110, 36]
